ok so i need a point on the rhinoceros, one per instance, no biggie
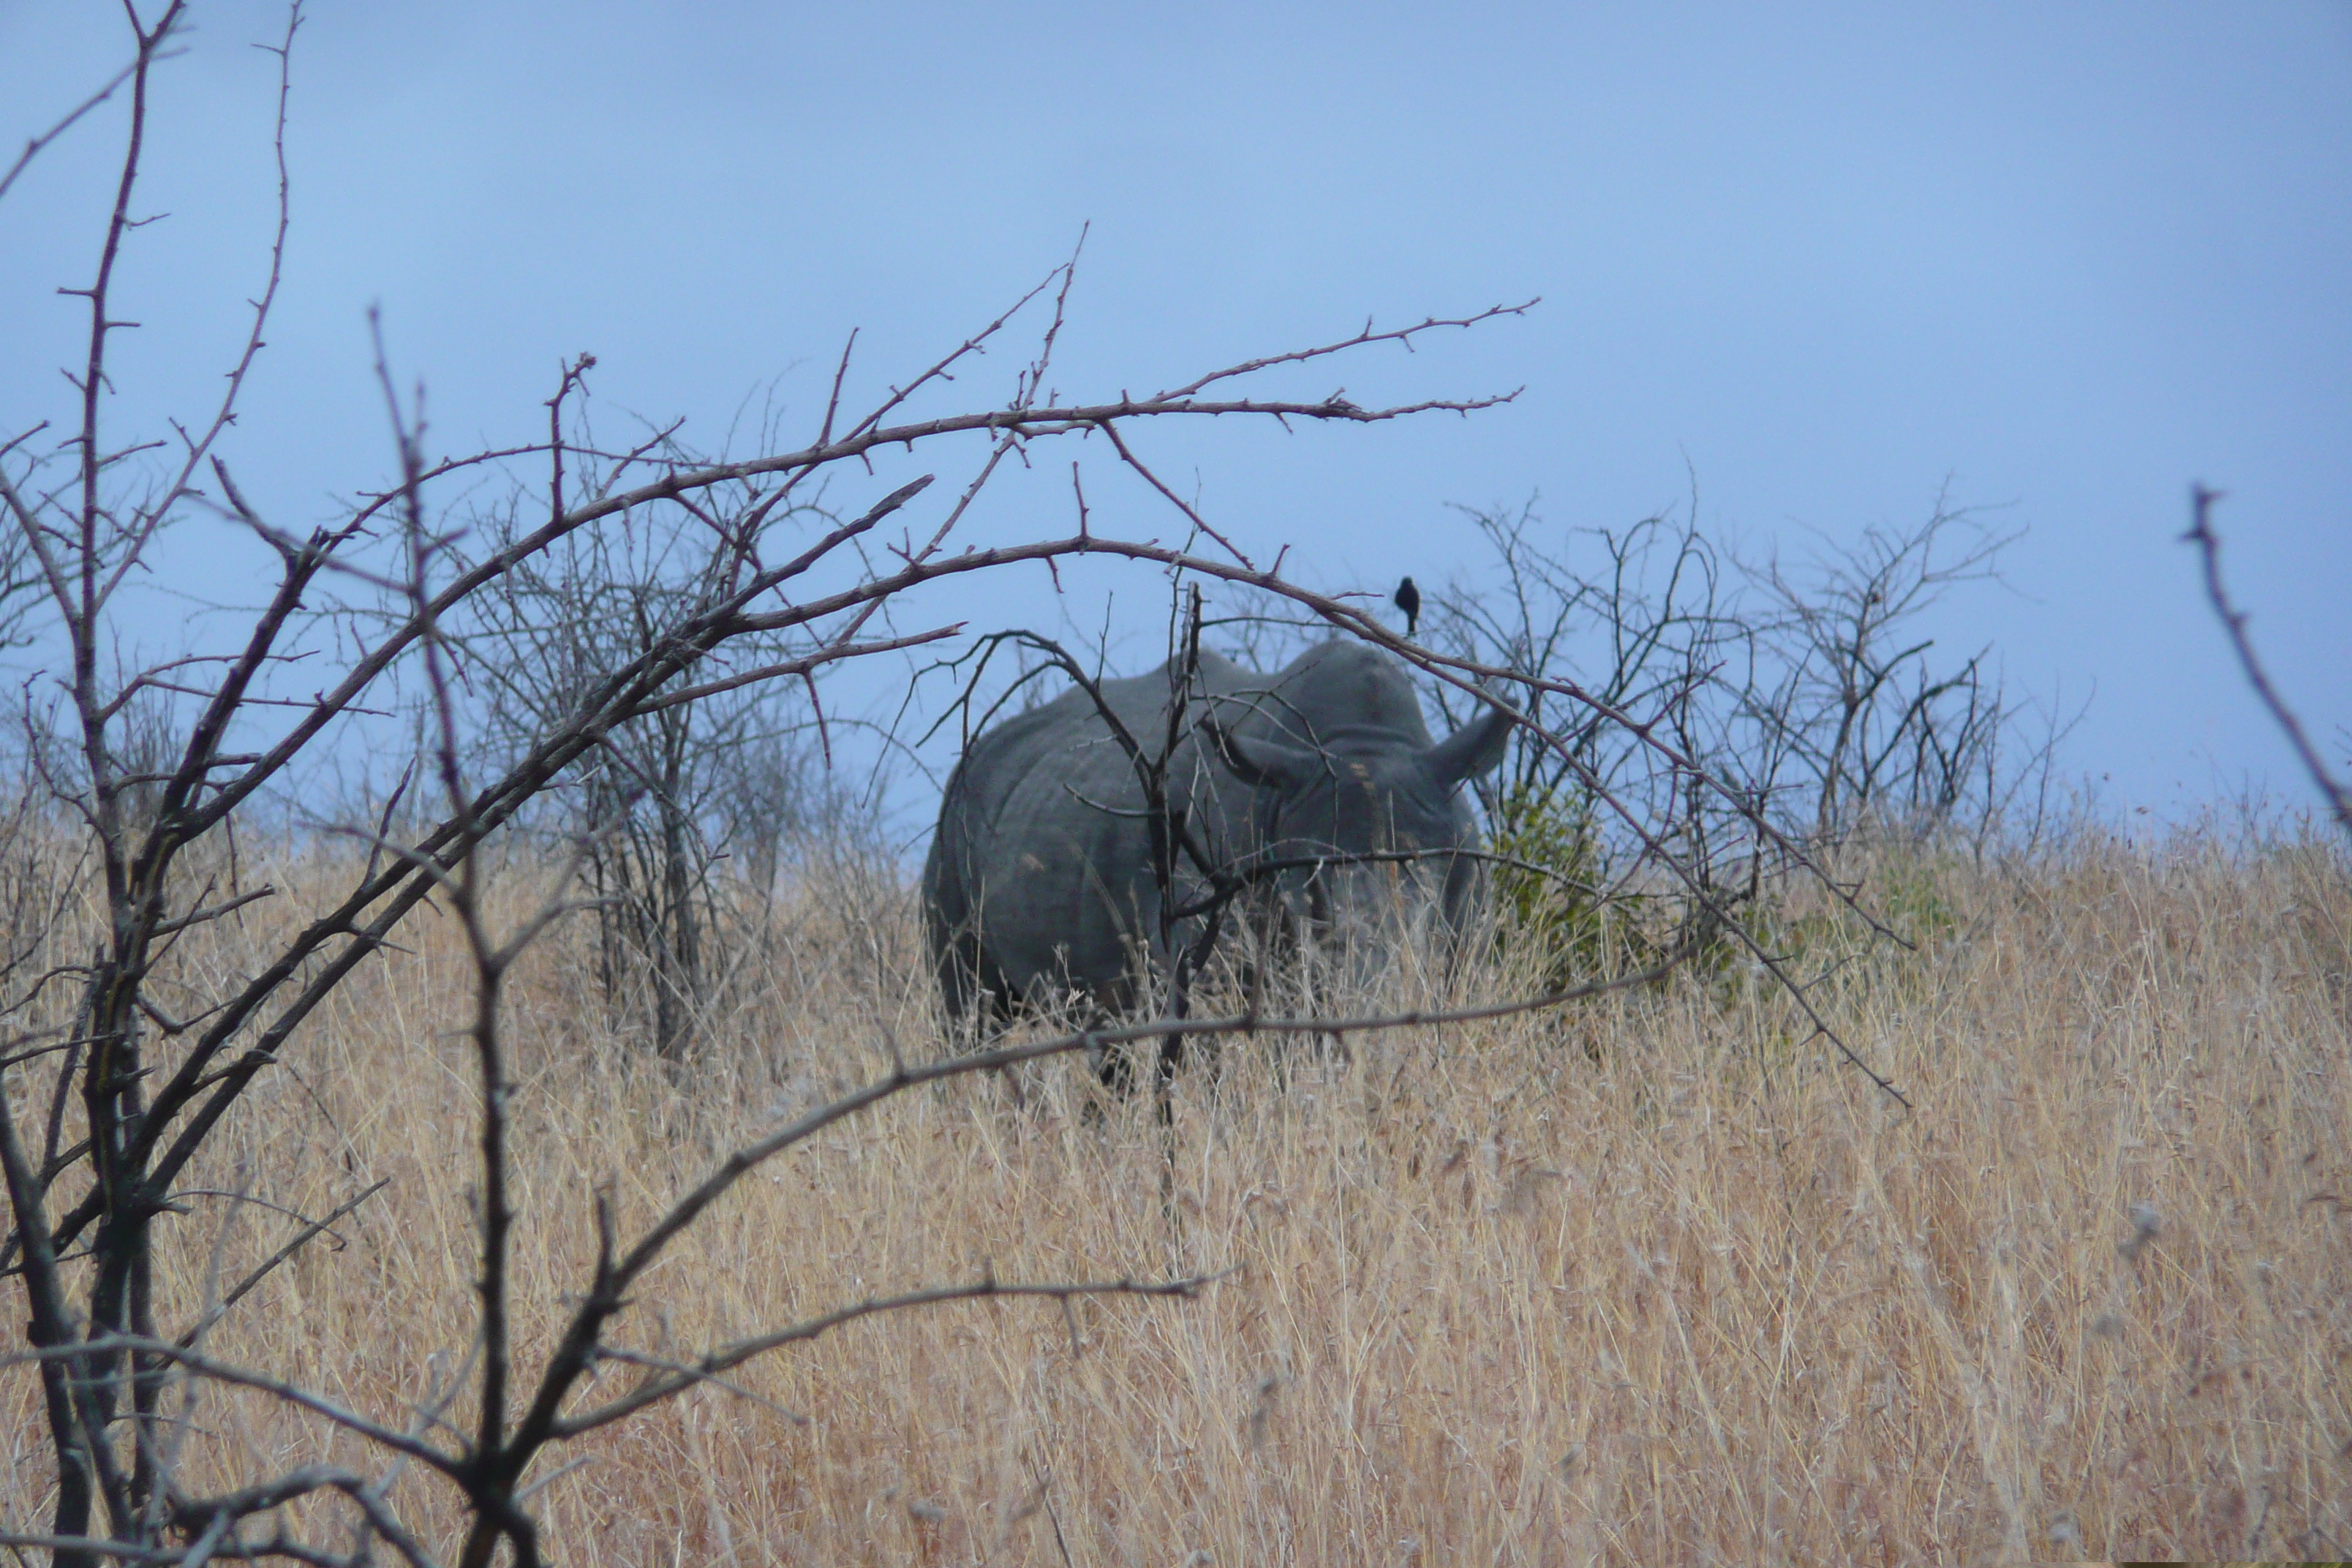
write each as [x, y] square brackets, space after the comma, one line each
[1040, 884]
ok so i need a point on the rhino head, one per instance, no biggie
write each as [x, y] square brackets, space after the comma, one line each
[1356, 812]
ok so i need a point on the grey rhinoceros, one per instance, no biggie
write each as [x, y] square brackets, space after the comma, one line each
[1040, 883]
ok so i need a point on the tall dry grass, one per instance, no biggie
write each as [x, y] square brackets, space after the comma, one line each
[1650, 1281]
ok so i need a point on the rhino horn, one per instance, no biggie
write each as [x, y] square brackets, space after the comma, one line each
[1474, 748]
[1262, 764]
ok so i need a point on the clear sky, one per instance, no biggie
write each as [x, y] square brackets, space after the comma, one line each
[1822, 256]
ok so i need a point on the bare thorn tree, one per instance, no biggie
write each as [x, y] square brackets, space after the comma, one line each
[153, 756]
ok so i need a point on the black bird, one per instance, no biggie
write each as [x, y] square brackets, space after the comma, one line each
[1408, 599]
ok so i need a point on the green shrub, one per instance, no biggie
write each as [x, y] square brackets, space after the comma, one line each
[1556, 911]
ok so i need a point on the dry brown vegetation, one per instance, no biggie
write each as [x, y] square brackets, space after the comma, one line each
[1650, 1281]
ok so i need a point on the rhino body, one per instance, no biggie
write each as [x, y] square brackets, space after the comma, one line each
[1040, 881]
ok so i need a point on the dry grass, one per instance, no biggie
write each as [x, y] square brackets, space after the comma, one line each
[1704, 1298]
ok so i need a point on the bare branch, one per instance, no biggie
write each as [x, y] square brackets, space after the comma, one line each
[143, 526]
[734, 1355]
[223, 1372]
[216, 1513]
[214, 911]
[33, 147]
[2200, 533]
[309, 1232]
[1396, 335]
[792, 667]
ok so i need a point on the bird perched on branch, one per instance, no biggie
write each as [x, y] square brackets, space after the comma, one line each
[1408, 599]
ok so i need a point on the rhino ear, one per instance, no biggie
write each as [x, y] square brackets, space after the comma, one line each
[1263, 763]
[1474, 748]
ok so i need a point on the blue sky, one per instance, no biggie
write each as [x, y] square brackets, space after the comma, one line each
[1823, 257]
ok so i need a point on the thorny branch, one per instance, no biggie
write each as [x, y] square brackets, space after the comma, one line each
[2200, 533]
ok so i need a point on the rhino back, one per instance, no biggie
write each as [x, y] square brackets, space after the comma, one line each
[1041, 864]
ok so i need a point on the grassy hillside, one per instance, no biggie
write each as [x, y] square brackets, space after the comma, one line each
[1650, 1281]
